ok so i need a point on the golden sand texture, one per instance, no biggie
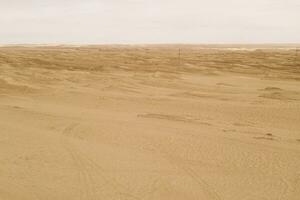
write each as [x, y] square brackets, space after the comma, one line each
[145, 123]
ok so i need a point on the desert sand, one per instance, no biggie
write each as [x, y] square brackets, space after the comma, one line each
[145, 123]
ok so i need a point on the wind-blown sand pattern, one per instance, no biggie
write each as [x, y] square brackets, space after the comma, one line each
[140, 123]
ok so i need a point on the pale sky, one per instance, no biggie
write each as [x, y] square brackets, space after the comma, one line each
[149, 21]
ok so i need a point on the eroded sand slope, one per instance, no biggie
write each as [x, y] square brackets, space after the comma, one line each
[119, 122]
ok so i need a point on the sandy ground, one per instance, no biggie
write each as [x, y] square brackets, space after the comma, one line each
[137, 122]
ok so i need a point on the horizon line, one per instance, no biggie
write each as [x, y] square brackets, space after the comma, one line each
[154, 44]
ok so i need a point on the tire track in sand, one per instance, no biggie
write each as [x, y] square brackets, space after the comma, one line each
[210, 192]
[204, 186]
[86, 190]
[88, 169]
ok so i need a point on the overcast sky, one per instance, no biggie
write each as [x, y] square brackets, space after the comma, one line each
[149, 21]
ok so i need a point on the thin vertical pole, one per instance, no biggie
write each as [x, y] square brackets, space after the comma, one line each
[179, 59]
[296, 57]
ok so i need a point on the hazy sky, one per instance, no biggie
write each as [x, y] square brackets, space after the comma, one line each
[149, 21]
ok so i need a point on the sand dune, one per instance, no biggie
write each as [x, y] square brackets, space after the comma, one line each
[140, 122]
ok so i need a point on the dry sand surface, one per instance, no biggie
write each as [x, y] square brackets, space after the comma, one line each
[138, 123]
